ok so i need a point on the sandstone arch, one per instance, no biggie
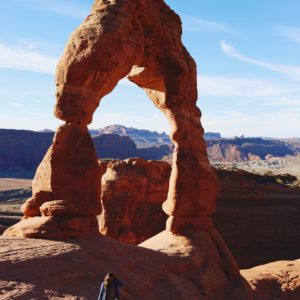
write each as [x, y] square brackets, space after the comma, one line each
[141, 40]
[116, 40]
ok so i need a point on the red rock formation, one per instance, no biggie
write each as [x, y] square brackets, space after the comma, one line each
[169, 78]
[141, 40]
[133, 48]
[133, 191]
[66, 195]
[42, 269]
[276, 280]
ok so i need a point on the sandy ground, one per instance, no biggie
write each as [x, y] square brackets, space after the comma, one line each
[13, 184]
[275, 165]
[13, 193]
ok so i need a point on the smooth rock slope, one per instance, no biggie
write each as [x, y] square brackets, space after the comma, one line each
[74, 269]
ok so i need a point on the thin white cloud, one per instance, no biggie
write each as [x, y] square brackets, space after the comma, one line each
[31, 92]
[28, 121]
[32, 45]
[19, 58]
[40, 45]
[292, 33]
[289, 71]
[201, 25]
[292, 102]
[277, 124]
[264, 91]
[17, 105]
[70, 8]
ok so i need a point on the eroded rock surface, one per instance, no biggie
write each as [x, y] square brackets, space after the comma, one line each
[66, 195]
[133, 191]
[276, 280]
[74, 269]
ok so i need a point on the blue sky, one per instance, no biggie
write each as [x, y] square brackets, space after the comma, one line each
[247, 53]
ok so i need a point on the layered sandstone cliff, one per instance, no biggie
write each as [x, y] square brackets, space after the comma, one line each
[248, 149]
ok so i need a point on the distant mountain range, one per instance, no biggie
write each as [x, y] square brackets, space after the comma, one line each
[144, 138]
[21, 150]
[249, 149]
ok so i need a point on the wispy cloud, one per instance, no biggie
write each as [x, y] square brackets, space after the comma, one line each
[70, 8]
[32, 45]
[31, 92]
[17, 105]
[40, 45]
[291, 72]
[201, 25]
[292, 33]
[264, 91]
[21, 58]
[284, 101]
[281, 123]
[27, 121]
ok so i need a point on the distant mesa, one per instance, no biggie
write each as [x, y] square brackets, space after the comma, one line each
[21, 151]
[122, 130]
[212, 135]
[46, 130]
[248, 149]
[143, 138]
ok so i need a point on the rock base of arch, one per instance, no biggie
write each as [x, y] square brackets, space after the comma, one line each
[209, 263]
[55, 227]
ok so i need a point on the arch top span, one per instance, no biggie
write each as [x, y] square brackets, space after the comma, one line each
[138, 39]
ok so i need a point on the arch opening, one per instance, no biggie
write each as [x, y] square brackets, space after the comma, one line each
[129, 106]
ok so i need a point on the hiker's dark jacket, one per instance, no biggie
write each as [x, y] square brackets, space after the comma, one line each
[111, 292]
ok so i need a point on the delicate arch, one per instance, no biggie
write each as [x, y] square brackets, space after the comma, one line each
[116, 40]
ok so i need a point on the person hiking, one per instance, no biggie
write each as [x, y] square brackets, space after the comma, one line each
[109, 287]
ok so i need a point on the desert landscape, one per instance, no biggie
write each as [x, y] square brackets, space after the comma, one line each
[185, 215]
[133, 191]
